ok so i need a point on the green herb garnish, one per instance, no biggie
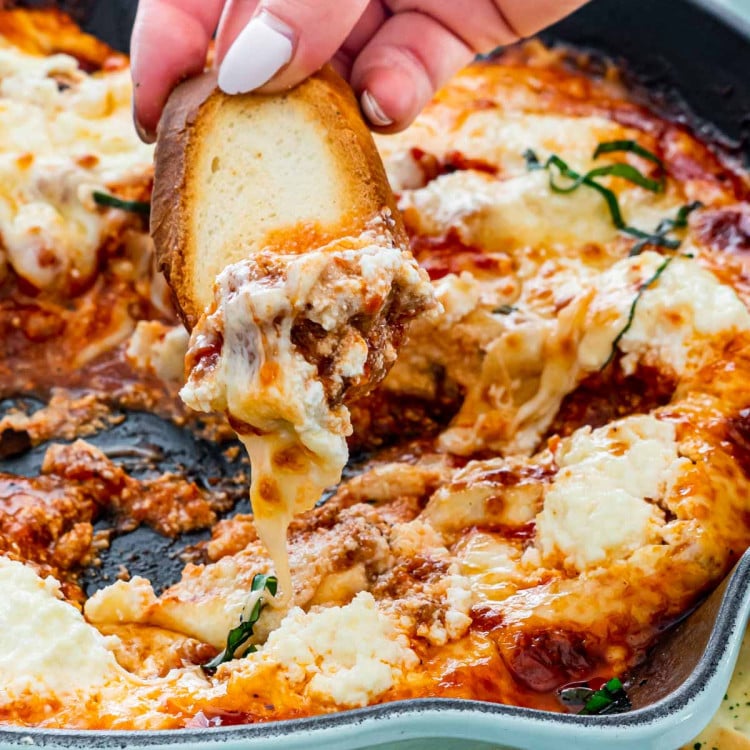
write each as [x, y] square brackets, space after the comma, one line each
[112, 201]
[625, 171]
[610, 699]
[244, 631]
[610, 147]
[631, 315]
[505, 310]
[532, 160]
[667, 225]
[575, 697]
[622, 170]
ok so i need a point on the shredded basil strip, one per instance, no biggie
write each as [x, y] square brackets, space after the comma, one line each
[610, 147]
[623, 170]
[112, 201]
[504, 310]
[631, 315]
[659, 236]
[532, 160]
[626, 171]
[533, 163]
[575, 696]
[667, 225]
[680, 219]
[244, 631]
[612, 698]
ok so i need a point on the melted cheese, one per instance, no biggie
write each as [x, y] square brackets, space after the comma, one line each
[440, 547]
[685, 305]
[280, 489]
[523, 211]
[158, 349]
[497, 139]
[294, 430]
[59, 143]
[608, 481]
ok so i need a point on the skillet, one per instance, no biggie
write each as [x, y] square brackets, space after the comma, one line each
[691, 58]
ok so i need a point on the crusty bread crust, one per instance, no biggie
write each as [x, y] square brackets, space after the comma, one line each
[170, 201]
[193, 114]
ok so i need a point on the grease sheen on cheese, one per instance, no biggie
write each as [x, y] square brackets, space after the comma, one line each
[686, 303]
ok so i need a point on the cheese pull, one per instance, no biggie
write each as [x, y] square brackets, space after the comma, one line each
[277, 230]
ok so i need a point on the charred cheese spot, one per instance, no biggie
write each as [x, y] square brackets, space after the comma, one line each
[542, 661]
[268, 491]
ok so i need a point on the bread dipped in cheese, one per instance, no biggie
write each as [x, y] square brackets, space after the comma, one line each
[277, 230]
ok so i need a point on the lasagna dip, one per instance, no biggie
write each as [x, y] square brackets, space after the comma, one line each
[554, 470]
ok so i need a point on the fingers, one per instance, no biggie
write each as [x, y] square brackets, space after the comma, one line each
[170, 41]
[425, 42]
[402, 66]
[370, 21]
[478, 23]
[527, 17]
[283, 40]
[397, 52]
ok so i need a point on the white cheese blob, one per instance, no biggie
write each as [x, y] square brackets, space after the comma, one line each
[46, 647]
[159, 349]
[601, 504]
[348, 655]
[523, 211]
[459, 294]
[686, 302]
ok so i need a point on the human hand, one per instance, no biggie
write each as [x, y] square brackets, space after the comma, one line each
[395, 53]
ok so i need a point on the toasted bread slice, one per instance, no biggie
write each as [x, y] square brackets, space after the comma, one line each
[241, 173]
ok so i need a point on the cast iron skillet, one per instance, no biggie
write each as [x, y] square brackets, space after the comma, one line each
[667, 47]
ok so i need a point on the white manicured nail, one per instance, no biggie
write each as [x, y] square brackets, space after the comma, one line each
[373, 111]
[263, 47]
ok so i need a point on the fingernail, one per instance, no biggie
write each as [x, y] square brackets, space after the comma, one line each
[263, 47]
[373, 111]
[143, 134]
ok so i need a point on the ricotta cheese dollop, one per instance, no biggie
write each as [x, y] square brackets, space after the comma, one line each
[46, 647]
[602, 502]
[349, 655]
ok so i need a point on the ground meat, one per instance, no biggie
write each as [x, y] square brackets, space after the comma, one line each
[170, 504]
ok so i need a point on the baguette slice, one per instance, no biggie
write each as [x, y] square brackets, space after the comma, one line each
[241, 173]
[276, 227]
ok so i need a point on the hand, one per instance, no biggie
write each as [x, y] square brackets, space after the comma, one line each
[395, 53]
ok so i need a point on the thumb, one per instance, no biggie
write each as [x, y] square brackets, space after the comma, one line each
[280, 42]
